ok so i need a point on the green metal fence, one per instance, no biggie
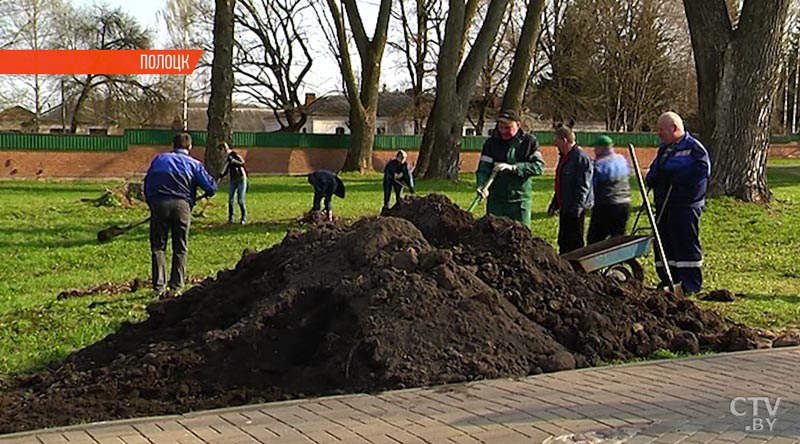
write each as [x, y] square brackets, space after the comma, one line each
[61, 142]
[73, 142]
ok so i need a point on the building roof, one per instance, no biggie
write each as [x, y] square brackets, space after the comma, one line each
[390, 104]
[243, 119]
[16, 114]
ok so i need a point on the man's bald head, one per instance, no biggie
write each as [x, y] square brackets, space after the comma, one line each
[670, 127]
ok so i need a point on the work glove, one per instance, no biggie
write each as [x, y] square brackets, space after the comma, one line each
[483, 192]
[552, 210]
[398, 176]
[502, 166]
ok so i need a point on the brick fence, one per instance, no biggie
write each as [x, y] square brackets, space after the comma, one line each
[134, 162]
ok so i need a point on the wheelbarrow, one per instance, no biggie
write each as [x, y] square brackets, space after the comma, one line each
[616, 256]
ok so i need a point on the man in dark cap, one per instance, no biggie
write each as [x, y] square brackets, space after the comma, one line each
[612, 192]
[515, 156]
[326, 184]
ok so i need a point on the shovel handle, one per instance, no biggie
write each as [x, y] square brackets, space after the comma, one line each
[479, 197]
[675, 289]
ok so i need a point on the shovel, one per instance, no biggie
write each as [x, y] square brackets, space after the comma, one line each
[479, 197]
[117, 230]
[674, 287]
[111, 232]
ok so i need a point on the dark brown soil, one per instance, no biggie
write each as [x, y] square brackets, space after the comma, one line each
[422, 295]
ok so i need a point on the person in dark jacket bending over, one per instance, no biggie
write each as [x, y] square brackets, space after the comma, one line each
[678, 177]
[573, 190]
[515, 156]
[612, 192]
[234, 165]
[170, 188]
[326, 184]
[395, 175]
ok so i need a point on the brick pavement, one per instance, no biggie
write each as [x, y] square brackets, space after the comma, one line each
[687, 401]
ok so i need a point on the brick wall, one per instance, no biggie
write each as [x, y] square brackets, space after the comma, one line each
[134, 162]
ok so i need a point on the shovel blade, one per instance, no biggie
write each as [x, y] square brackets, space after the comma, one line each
[677, 289]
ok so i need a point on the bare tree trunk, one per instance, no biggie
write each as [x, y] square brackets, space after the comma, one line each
[523, 57]
[219, 105]
[73, 123]
[364, 100]
[362, 129]
[737, 80]
[456, 91]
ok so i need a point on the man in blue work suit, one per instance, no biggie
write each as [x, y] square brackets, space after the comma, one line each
[170, 188]
[679, 179]
[326, 184]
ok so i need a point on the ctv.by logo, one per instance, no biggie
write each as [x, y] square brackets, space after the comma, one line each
[763, 418]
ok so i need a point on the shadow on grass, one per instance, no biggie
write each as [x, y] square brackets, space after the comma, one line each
[788, 299]
[783, 176]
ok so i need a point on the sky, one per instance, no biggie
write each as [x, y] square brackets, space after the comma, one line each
[323, 78]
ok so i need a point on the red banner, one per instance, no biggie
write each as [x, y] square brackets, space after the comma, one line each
[96, 61]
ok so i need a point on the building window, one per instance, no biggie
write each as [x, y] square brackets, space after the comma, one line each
[98, 131]
[380, 130]
[339, 130]
[469, 131]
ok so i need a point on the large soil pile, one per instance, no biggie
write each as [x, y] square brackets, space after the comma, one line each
[421, 295]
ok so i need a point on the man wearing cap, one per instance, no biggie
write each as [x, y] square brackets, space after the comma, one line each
[170, 188]
[573, 190]
[326, 184]
[612, 192]
[514, 155]
[679, 178]
[395, 175]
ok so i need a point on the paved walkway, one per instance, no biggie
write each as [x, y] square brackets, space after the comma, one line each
[750, 397]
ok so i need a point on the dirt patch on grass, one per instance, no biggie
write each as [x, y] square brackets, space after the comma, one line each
[422, 295]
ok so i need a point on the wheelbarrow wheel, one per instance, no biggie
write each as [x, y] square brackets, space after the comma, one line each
[636, 269]
[626, 271]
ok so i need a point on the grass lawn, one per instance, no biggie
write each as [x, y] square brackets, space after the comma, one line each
[48, 244]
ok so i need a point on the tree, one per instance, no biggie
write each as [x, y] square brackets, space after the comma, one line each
[363, 100]
[187, 27]
[272, 57]
[454, 87]
[493, 77]
[737, 71]
[523, 56]
[220, 106]
[33, 24]
[104, 28]
[418, 23]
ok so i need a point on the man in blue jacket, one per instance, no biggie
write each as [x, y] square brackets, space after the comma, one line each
[612, 192]
[573, 190]
[326, 184]
[170, 188]
[679, 179]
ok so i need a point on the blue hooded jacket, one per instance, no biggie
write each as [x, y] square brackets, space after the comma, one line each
[686, 167]
[176, 175]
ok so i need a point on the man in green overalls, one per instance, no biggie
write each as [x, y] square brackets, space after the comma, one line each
[515, 156]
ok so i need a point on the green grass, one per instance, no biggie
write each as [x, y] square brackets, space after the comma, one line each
[47, 241]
